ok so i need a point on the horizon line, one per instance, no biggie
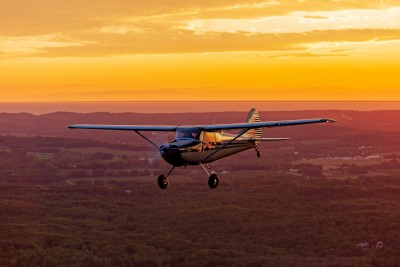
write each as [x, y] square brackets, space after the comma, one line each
[45, 107]
[186, 101]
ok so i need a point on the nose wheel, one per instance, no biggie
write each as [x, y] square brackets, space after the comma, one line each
[213, 181]
[163, 181]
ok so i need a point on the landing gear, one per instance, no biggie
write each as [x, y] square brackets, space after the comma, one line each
[258, 152]
[163, 181]
[213, 181]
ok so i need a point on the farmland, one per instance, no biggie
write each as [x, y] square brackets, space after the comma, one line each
[309, 201]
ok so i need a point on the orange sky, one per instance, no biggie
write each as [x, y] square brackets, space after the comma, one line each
[199, 50]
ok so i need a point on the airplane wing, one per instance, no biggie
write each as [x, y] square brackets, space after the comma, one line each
[215, 127]
[151, 128]
[268, 124]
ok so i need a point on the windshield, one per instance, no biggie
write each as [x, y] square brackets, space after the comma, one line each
[192, 133]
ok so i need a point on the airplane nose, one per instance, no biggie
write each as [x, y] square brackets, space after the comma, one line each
[165, 148]
[171, 154]
[169, 148]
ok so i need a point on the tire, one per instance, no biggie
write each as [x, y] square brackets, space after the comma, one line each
[163, 181]
[213, 181]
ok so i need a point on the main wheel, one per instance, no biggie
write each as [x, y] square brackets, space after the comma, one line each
[163, 181]
[213, 181]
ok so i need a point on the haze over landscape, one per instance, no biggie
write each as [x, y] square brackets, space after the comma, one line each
[326, 197]
[192, 106]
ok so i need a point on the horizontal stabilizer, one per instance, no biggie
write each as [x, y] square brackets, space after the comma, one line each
[268, 139]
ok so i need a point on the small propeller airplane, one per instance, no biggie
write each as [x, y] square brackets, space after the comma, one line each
[202, 144]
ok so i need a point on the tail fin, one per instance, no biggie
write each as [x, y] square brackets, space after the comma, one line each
[253, 117]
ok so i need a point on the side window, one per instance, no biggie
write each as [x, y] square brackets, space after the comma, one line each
[212, 137]
[195, 135]
[192, 133]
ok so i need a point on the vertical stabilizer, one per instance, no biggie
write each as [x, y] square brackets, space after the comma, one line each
[253, 117]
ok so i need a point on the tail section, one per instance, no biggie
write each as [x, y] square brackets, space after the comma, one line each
[253, 117]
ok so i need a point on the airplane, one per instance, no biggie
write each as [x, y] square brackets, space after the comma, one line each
[203, 144]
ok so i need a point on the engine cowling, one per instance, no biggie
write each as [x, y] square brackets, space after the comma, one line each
[171, 152]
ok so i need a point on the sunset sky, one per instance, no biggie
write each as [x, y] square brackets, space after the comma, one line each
[120, 50]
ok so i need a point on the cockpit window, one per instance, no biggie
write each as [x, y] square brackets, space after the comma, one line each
[192, 133]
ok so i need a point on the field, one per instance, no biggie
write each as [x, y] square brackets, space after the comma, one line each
[273, 220]
[309, 201]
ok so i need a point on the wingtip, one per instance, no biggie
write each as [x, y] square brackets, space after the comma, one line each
[330, 120]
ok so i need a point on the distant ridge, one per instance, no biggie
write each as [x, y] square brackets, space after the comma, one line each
[55, 124]
[194, 106]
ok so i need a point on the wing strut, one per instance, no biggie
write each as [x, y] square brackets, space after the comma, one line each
[230, 141]
[147, 139]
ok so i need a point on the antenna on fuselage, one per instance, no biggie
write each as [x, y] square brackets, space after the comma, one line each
[215, 119]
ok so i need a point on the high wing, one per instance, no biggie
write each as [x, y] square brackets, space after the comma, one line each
[215, 127]
[152, 128]
[268, 124]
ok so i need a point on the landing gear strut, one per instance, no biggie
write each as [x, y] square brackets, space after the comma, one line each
[258, 152]
[163, 181]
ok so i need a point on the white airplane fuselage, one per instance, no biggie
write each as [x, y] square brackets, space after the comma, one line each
[194, 146]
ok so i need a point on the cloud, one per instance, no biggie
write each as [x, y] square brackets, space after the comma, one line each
[188, 42]
[298, 22]
[315, 17]
[29, 45]
[42, 17]
[121, 29]
[381, 48]
[102, 28]
[310, 55]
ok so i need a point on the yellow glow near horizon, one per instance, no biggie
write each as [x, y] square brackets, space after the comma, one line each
[208, 50]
